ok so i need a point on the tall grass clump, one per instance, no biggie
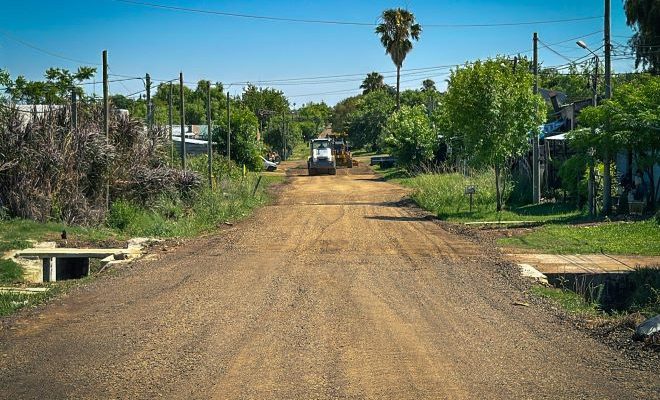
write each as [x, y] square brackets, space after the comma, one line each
[444, 193]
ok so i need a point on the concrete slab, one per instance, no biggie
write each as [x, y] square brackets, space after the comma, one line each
[583, 263]
[73, 253]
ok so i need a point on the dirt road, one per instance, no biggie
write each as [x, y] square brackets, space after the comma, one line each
[338, 290]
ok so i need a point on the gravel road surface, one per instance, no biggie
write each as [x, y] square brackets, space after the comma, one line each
[337, 290]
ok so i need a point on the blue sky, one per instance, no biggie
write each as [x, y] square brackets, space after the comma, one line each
[229, 49]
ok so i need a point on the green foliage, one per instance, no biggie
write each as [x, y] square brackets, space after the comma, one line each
[645, 297]
[568, 300]
[638, 238]
[282, 131]
[313, 118]
[10, 272]
[245, 149]
[368, 119]
[644, 17]
[256, 99]
[373, 81]
[341, 114]
[444, 194]
[490, 113]
[396, 30]
[122, 214]
[56, 89]
[409, 136]
[572, 174]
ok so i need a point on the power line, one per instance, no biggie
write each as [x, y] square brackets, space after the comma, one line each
[338, 22]
[45, 51]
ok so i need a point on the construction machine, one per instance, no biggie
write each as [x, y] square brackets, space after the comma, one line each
[321, 158]
[341, 150]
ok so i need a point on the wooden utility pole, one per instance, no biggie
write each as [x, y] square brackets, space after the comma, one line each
[608, 50]
[74, 109]
[607, 176]
[209, 134]
[228, 128]
[170, 121]
[106, 122]
[149, 116]
[536, 168]
[183, 122]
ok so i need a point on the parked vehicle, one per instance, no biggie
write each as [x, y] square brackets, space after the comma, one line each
[269, 165]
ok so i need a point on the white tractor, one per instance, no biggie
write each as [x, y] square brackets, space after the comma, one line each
[321, 159]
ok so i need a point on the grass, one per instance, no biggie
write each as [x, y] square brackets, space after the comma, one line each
[634, 238]
[568, 301]
[231, 200]
[563, 230]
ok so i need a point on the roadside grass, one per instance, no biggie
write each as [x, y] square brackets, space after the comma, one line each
[563, 230]
[201, 213]
[167, 218]
[633, 238]
[569, 301]
[300, 151]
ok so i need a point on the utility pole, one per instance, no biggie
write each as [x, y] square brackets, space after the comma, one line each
[608, 50]
[283, 139]
[170, 121]
[182, 117]
[149, 120]
[106, 122]
[536, 179]
[607, 175]
[228, 128]
[208, 133]
[74, 109]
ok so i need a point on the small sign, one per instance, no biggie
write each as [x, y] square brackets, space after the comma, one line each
[470, 189]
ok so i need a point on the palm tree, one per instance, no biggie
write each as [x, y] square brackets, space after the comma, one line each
[373, 81]
[644, 17]
[396, 30]
[428, 85]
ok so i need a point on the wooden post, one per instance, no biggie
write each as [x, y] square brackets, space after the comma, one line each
[536, 167]
[74, 110]
[106, 122]
[170, 122]
[149, 111]
[228, 128]
[209, 134]
[182, 117]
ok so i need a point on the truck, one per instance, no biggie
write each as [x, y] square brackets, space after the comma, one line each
[321, 158]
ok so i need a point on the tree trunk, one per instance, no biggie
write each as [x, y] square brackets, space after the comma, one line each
[497, 188]
[607, 185]
[592, 190]
[398, 80]
[651, 191]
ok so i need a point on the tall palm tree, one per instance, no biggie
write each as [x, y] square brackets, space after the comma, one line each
[373, 81]
[396, 30]
[428, 85]
[644, 17]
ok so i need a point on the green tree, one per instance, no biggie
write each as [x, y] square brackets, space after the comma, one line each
[644, 17]
[368, 120]
[56, 89]
[631, 119]
[396, 30]
[428, 85]
[373, 81]
[491, 111]
[245, 149]
[409, 136]
[342, 112]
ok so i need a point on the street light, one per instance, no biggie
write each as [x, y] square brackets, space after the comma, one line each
[595, 78]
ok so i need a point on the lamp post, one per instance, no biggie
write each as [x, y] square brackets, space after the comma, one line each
[595, 77]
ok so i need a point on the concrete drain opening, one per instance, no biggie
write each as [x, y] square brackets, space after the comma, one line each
[614, 291]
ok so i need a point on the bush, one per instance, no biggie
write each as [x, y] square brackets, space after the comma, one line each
[409, 136]
[122, 214]
[570, 171]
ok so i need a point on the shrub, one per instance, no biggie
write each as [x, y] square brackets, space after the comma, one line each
[122, 214]
[409, 136]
